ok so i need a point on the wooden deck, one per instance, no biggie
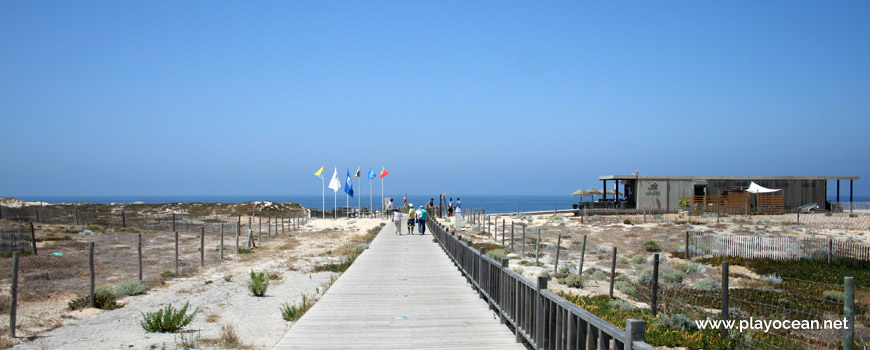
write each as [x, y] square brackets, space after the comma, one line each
[402, 293]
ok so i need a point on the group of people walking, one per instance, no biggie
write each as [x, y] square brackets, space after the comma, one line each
[417, 216]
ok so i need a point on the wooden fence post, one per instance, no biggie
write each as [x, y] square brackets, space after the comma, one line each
[139, 253]
[558, 248]
[202, 246]
[523, 244]
[725, 311]
[91, 268]
[538, 247]
[222, 241]
[635, 330]
[830, 249]
[76, 212]
[259, 223]
[123, 219]
[655, 285]
[176, 253]
[849, 313]
[13, 307]
[173, 221]
[582, 256]
[502, 232]
[540, 313]
[32, 239]
[687, 245]
[512, 236]
[238, 229]
[612, 272]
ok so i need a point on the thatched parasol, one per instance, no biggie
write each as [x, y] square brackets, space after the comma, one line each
[593, 192]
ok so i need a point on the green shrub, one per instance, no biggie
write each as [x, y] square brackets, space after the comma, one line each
[95, 227]
[678, 321]
[599, 275]
[625, 287]
[228, 278]
[573, 281]
[567, 268]
[496, 254]
[294, 312]
[518, 270]
[360, 247]
[651, 247]
[708, 285]
[132, 287]
[245, 251]
[259, 283]
[545, 273]
[646, 275]
[77, 303]
[524, 262]
[626, 221]
[621, 305]
[167, 319]
[20, 254]
[167, 274]
[104, 298]
[674, 277]
[638, 259]
[833, 295]
[623, 260]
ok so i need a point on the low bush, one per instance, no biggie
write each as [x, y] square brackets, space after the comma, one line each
[623, 260]
[77, 303]
[360, 248]
[228, 337]
[625, 287]
[518, 270]
[678, 321]
[673, 277]
[167, 319]
[245, 251]
[651, 247]
[259, 283]
[95, 227]
[646, 276]
[545, 273]
[567, 268]
[626, 222]
[496, 254]
[833, 295]
[167, 274]
[294, 312]
[599, 275]
[638, 259]
[621, 305]
[228, 278]
[132, 287]
[573, 281]
[20, 254]
[708, 284]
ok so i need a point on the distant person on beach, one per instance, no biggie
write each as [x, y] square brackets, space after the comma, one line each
[405, 200]
[421, 220]
[450, 207]
[389, 207]
[412, 218]
[458, 204]
[397, 219]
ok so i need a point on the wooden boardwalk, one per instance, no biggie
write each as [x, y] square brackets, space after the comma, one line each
[402, 293]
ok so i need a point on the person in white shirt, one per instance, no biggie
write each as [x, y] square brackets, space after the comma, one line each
[397, 220]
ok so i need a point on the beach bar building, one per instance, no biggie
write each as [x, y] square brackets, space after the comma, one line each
[720, 193]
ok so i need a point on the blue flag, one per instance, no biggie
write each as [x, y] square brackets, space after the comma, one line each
[371, 174]
[348, 185]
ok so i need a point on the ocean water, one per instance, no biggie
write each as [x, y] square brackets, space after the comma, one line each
[492, 203]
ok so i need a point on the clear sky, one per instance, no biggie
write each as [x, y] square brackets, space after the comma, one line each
[527, 97]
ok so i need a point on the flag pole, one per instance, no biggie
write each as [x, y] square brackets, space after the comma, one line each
[323, 196]
[382, 196]
[334, 203]
[371, 201]
[359, 185]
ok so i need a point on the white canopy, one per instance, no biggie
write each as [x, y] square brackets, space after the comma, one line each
[755, 188]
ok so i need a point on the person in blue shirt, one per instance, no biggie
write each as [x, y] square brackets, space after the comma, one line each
[450, 207]
[421, 220]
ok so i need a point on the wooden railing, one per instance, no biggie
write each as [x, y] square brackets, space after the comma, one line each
[538, 316]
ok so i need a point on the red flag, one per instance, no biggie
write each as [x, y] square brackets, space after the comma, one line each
[383, 172]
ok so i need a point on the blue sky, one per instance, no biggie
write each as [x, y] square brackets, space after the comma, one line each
[159, 97]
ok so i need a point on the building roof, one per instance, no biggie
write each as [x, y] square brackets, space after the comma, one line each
[671, 177]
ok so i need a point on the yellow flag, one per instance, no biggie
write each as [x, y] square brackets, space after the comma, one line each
[319, 172]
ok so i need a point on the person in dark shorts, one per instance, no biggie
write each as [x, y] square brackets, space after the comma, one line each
[412, 218]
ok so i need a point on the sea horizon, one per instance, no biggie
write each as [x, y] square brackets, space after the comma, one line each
[501, 203]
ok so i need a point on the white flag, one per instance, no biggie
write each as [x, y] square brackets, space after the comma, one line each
[334, 184]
